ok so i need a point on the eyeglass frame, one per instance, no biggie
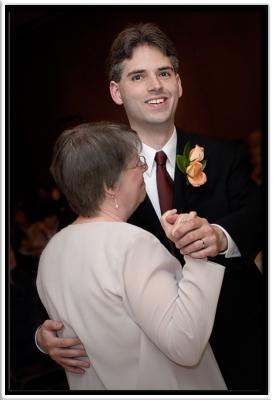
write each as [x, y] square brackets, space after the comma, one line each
[141, 163]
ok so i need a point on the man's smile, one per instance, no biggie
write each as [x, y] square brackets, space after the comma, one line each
[156, 100]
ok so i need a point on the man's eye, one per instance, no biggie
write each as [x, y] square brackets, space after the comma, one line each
[136, 77]
[165, 74]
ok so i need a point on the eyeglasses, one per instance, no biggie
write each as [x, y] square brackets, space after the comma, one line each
[141, 163]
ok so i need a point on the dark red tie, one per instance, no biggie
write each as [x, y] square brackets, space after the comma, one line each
[164, 183]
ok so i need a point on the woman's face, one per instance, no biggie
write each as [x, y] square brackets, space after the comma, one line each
[131, 191]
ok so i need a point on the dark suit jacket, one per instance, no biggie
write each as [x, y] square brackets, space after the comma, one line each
[230, 199]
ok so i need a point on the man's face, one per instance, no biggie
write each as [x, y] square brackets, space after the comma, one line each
[149, 89]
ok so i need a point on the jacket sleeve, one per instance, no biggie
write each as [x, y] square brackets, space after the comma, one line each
[243, 222]
[175, 308]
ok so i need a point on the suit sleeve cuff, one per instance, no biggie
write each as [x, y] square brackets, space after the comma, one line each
[36, 341]
[232, 249]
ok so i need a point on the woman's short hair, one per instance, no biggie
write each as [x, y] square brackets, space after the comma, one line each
[134, 36]
[90, 157]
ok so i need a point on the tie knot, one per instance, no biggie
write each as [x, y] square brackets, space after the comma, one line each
[160, 158]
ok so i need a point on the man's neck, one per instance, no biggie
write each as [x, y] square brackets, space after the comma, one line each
[155, 136]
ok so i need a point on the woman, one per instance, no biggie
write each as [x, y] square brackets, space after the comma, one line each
[144, 323]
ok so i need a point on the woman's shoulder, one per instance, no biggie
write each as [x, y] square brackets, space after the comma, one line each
[111, 229]
[138, 232]
[138, 239]
[131, 236]
[112, 234]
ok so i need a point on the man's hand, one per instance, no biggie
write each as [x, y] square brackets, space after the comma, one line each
[199, 239]
[60, 349]
[192, 235]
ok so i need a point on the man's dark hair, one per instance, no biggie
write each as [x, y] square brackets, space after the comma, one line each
[134, 36]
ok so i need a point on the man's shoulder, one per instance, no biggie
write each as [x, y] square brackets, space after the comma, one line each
[211, 144]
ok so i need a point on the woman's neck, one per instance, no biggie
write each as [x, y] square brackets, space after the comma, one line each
[103, 215]
[109, 215]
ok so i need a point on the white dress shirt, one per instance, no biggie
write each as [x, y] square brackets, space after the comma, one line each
[151, 187]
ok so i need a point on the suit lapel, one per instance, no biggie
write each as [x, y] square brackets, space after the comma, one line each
[181, 188]
[146, 218]
[187, 197]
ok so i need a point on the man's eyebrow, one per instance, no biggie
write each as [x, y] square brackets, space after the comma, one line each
[168, 67]
[141, 71]
[137, 71]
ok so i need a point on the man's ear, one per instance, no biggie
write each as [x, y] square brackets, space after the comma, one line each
[179, 85]
[115, 93]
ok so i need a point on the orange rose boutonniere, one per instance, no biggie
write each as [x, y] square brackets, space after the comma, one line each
[192, 163]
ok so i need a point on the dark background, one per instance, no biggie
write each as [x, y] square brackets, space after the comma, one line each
[55, 68]
[56, 74]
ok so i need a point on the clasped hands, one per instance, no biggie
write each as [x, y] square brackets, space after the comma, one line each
[192, 235]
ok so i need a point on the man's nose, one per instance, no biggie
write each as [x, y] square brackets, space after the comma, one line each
[154, 82]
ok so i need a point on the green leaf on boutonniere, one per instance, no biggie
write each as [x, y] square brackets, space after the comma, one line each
[204, 163]
[186, 151]
[183, 160]
[182, 163]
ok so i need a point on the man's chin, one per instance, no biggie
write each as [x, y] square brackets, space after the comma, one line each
[158, 119]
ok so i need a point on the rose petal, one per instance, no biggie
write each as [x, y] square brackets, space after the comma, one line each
[197, 153]
[198, 180]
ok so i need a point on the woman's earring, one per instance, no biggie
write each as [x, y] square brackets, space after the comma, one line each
[116, 203]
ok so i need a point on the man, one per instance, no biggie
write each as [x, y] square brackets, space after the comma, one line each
[143, 72]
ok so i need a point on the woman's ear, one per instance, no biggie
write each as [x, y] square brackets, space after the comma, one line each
[115, 93]
[109, 191]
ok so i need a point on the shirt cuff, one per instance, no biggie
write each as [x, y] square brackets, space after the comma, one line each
[232, 249]
[36, 341]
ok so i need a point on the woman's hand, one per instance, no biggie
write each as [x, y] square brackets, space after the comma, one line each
[170, 221]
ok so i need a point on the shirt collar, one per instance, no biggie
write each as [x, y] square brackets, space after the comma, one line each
[169, 149]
